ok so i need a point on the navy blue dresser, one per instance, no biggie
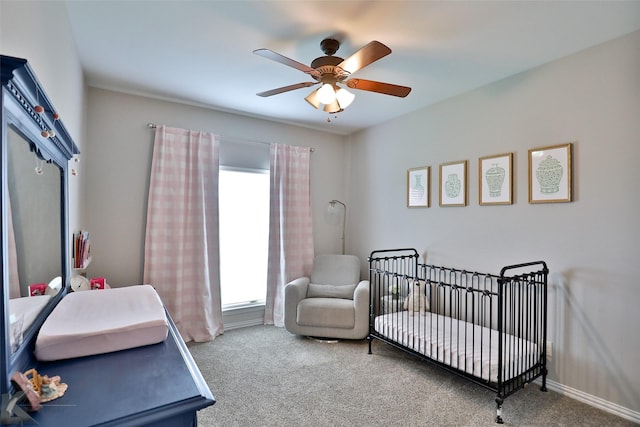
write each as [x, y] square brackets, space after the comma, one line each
[155, 385]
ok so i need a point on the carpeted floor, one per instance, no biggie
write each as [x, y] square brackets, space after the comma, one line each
[264, 376]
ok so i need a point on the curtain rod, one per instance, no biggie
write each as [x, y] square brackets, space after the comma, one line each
[230, 138]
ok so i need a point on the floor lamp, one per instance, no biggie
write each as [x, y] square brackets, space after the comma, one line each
[333, 212]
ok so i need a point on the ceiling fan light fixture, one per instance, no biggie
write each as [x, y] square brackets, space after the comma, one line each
[344, 98]
[334, 107]
[312, 99]
[326, 95]
[328, 71]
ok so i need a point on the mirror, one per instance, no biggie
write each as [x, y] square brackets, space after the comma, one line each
[36, 149]
[33, 223]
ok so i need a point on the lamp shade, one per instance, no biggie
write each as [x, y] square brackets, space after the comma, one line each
[334, 107]
[312, 99]
[326, 94]
[344, 98]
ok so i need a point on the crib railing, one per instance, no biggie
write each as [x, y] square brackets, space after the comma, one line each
[523, 313]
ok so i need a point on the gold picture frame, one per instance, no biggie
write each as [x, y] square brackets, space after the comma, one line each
[495, 179]
[419, 187]
[453, 183]
[550, 174]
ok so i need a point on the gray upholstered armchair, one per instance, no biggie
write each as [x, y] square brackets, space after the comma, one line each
[332, 303]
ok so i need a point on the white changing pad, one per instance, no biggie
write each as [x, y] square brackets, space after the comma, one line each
[96, 322]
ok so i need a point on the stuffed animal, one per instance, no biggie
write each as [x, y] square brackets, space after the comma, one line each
[417, 299]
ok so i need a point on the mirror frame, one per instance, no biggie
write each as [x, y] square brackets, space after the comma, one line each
[21, 91]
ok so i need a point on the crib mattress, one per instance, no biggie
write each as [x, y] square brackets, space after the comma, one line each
[96, 322]
[462, 345]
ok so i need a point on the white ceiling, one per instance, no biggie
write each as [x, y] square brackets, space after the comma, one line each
[200, 52]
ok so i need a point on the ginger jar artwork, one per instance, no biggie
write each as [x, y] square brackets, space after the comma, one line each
[417, 189]
[452, 186]
[549, 173]
[495, 179]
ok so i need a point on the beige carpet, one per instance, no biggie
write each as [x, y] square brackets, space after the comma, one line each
[264, 376]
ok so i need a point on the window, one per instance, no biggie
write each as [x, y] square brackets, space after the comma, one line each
[244, 236]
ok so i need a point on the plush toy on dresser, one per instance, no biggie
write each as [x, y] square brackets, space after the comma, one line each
[417, 300]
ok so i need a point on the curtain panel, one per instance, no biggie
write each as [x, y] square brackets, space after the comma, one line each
[290, 225]
[14, 277]
[182, 258]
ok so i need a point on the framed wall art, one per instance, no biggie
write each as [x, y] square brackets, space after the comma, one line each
[495, 179]
[419, 187]
[453, 183]
[550, 174]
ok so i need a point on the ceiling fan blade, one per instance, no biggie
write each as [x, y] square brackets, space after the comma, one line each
[286, 89]
[379, 87]
[269, 54]
[365, 56]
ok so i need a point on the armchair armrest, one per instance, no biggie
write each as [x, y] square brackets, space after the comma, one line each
[361, 305]
[361, 299]
[361, 294]
[294, 292]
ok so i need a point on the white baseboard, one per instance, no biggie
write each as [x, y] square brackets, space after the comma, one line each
[252, 315]
[594, 401]
[243, 324]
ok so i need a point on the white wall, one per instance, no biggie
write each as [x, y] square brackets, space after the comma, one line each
[591, 245]
[39, 31]
[118, 162]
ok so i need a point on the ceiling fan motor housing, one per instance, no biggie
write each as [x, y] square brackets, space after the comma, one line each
[327, 65]
[329, 46]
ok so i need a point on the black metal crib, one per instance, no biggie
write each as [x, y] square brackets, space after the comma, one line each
[490, 329]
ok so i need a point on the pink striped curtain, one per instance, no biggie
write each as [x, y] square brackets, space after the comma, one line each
[290, 226]
[14, 278]
[182, 258]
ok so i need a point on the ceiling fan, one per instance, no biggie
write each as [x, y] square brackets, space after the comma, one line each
[330, 71]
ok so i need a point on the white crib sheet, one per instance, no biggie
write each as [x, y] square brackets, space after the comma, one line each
[102, 321]
[462, 345]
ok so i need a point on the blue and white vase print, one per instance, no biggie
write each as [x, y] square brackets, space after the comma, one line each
[549, 174]
[452, 186]
[495, 179]
[417, 189]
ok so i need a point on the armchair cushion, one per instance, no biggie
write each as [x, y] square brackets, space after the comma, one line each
[330, 291]
[326, 313]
